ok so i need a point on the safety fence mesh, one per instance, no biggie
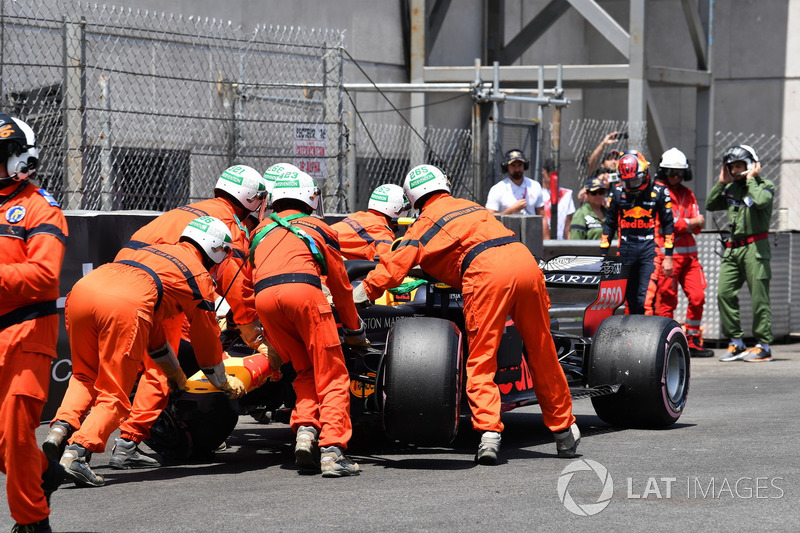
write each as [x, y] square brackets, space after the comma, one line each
[143, 110]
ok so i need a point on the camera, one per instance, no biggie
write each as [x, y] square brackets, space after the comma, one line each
[621, 135]
[613, 177]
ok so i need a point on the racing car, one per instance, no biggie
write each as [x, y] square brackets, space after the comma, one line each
[410, 383]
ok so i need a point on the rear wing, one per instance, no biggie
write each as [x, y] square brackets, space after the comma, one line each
[582, 279]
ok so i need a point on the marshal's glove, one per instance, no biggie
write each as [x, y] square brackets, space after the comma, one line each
[252, 334]
[275, 361]
[231, 384]
[166, 360]
[357, 338]
[360, 297]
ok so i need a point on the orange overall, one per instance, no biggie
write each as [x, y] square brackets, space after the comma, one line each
[113, 315]
[364, 235]
[152, 393]
[465, 246]
[302, 328]
[33, 234]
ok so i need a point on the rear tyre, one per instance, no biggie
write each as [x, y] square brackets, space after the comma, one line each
[648, 356]
[420, 381]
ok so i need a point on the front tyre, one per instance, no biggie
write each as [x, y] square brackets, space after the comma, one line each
[420, 381]
[648, 356]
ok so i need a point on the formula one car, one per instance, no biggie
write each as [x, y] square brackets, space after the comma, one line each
[410, 383]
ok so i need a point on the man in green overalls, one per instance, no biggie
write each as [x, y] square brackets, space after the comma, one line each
[748, 198]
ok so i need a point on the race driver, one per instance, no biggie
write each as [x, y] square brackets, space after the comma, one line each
[464, 245]
[368, 234]
[633, 207]
[113, 317]
[291, 251]
[33, 236]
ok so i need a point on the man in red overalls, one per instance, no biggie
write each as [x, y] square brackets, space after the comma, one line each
[114, 316]
[291, 250]
[464, 245]
[686, 271]
[368, 234]
[33, 236]
[238, 191]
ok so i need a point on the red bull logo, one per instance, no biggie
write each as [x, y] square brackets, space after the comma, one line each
[637, 212]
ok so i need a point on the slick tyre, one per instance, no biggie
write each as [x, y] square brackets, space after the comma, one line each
[420, 381]
[648, 356]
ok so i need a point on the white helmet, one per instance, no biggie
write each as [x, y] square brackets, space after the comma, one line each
[673, 158]
[389, 200]
[211, 235]
[244, 184]
[275, 171]
[296, 185]
[424, 179]
[19, 148]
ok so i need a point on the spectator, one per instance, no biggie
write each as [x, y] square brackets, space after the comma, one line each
[587, 223]
[368, 234]
[633, 209]
[673, 170]
[461, 244]
[517, 194]
[609, 160]
[566, 205]
[748, 198]
[32, 245]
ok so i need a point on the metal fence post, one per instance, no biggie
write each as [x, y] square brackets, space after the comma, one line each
[74, 106]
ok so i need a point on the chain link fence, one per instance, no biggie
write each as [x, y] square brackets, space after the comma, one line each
[143, 110]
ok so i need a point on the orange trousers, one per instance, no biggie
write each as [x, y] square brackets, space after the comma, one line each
[302, 328]
[152, 392]
[108, 316]
[505, 281]
[24, 381]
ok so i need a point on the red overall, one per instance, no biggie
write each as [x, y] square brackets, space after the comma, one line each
[113, 315]
[152, 392]
[364, 235]
[501, 280]
[33, 234]
[302, 328]
[687, 270]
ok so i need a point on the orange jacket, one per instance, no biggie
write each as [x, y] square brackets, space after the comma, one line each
[33, 236]
[281, 252]
[439, 240]
[184, 286]
[364, 235]
[684, 207]
[167, 229]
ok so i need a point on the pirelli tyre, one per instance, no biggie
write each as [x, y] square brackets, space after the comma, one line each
[420, 381]
[648, 357]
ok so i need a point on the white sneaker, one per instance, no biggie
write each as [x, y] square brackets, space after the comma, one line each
[488, 448]
[567, 441]
[306, 452]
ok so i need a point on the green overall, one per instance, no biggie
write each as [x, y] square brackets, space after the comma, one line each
[747, 253]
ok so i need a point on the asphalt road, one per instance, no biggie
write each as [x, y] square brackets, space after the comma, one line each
[729, 464]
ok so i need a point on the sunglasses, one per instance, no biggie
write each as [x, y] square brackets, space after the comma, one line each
[678, 172]
[598, 192]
